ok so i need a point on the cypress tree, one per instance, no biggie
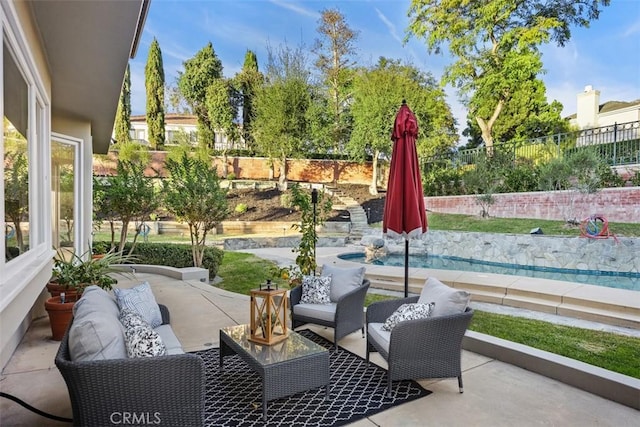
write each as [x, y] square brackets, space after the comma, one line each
[249, 80]
[154, 83]
[123, 115]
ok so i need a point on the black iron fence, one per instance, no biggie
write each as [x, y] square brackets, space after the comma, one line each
[618, 144]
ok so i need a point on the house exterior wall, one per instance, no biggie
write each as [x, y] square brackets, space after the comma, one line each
[588, 113]
[616, 204]
[22, 280]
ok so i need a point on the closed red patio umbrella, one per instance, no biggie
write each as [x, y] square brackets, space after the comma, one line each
[404, 211]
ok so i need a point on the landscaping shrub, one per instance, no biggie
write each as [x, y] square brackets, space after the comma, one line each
[175, 255]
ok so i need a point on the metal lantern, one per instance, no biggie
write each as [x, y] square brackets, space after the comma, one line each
[268, 314]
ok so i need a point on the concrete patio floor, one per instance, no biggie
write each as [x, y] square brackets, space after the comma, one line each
[496, 393]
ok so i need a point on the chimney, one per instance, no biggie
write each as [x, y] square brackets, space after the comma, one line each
[588, 108]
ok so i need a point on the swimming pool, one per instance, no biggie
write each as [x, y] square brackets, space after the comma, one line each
[610, 279]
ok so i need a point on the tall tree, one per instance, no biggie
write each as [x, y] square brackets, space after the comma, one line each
[123, 114]
[495, 45]
[248, 81]
[154, 83]
[199, 73]
[335, 51]
[378, 93]
[222, 108]
[281, 128]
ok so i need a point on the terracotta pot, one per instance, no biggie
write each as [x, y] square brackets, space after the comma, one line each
[60, 315]
[55, 290]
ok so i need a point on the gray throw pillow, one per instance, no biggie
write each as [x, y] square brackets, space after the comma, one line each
[343, 279]
[448, 300]
[141, 300]
[315, 289]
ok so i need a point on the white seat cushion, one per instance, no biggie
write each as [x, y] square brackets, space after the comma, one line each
[169, 339]
[379, 335]
[447, 300]
[326, 312]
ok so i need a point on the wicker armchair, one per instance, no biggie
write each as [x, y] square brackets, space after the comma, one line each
[166, 390]
[416, 349]
[345, 315]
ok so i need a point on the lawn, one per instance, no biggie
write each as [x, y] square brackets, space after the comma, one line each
[242, 272]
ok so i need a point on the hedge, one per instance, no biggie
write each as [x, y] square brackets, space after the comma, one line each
[171, 254]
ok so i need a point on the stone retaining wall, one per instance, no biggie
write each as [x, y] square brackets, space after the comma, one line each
[581, 253]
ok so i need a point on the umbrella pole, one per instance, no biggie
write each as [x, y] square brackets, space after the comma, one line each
[406, 268]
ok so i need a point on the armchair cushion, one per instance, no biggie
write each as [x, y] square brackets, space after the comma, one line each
[407, 312]
[325, 312]
[343, 280]
[447, 300]
[315, 289]
[379, 335]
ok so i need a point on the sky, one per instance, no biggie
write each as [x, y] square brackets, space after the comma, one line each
[606, 55]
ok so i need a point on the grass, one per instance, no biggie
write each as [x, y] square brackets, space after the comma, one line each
[242, 272]
[618, 353]
[453, 222]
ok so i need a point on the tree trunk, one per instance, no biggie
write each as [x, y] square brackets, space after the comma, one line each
[486, 127]
[225, 164]
[282, 179]
[373, 188]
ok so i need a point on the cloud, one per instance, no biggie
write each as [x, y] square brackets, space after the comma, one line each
[295, 8]
[390, 26]
[632, 30]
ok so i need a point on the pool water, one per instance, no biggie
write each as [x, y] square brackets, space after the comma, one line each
[610, 279]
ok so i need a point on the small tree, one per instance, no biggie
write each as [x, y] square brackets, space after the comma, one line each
[578, 172]
[193, 194]
[128, 197]
[306, 259]
[16, 193]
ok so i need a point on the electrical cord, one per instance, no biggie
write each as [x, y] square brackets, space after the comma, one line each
[36, 410]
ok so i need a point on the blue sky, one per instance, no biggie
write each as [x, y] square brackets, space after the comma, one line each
[606, 55]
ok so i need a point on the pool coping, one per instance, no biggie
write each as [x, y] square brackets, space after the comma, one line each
[612, 306]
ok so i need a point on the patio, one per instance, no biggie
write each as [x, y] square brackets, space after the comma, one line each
[496, 393]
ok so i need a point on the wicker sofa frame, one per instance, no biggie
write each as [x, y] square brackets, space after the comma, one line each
[418, 349]
[349, 315]
[166, 390]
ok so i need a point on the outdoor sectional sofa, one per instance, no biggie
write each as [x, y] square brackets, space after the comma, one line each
[106, 387]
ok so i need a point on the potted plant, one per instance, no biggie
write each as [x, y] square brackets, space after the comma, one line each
[71, 274]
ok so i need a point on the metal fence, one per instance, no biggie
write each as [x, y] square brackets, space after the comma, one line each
[618, 144]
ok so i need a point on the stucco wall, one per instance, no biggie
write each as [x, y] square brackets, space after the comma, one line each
[616, 204]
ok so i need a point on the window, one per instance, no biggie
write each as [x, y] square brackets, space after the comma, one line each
[63, 192]
[16, 157]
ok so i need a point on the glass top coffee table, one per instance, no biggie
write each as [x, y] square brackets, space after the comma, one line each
[291, 366]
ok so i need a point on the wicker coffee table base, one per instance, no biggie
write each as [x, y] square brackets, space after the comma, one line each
[282, 378]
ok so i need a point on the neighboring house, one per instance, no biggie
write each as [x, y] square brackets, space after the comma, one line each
[176, 127]
[608, 122]
[63, 64]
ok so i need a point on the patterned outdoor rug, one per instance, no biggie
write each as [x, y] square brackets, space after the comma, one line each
[357, 391]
